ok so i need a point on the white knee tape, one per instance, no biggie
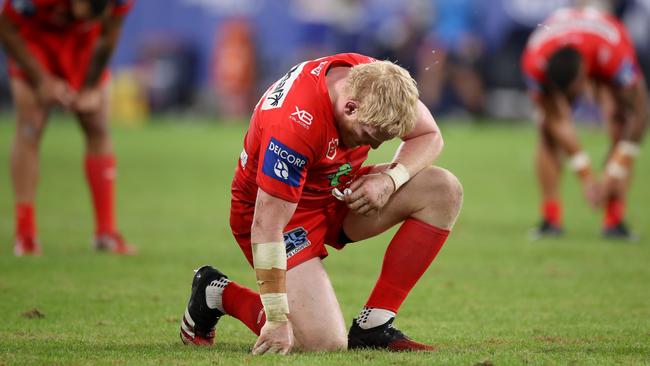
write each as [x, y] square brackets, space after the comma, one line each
[270, 255]
[276, 306]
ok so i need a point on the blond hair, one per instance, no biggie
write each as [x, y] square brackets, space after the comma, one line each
[387, 96]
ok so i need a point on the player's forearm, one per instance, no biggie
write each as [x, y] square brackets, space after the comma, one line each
[421, 147]
[638, 122]
[269, 254]
[103, 51]
[564, 134]
[16, 49]
[621, 160]
[419, 152]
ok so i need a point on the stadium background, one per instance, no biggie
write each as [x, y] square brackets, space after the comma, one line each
[186, 74]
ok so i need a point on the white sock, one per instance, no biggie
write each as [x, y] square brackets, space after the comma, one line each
[214, 293]
[373, 317]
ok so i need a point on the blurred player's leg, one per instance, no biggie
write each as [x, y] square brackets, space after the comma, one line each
[549, 171]
[429, 205]
[100, 174]
[31, 118]
[614, 226]
[315, 313]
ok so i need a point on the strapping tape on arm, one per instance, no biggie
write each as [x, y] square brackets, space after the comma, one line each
[581, 164]
[622, 160]
[276, 306]
[399, 174]
[270, 255]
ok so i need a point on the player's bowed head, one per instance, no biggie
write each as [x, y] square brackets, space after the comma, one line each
[375, 103]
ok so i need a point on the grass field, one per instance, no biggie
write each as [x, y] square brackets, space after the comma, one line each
[491, 297]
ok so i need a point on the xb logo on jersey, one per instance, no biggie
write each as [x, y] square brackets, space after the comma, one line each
[335, 179]
[281, 170]
[303, 118]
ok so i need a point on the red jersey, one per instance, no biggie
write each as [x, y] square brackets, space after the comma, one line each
[291, 148]
[602, 41]
[62, 45]
[46, 15]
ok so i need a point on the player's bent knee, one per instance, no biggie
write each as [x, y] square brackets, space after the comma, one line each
[453, 189]
[445, 187]
[29, 135]
[323, 344]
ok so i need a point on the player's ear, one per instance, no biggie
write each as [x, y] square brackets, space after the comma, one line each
[350, 107]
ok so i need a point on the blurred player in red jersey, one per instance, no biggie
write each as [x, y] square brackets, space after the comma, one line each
[59, 51]
[308, 137]
[573, 51]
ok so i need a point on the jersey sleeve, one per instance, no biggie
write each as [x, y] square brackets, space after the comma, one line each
[622, 68]
[291, 140]
[532, 75]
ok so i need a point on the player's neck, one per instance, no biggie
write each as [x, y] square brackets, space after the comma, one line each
[336, 84]
[335, 81]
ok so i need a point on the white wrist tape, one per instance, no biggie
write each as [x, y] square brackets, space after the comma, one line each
[579, 161]
[628, 148]
[399, 174]
[270, 255]
[616, 170]
[276, 306]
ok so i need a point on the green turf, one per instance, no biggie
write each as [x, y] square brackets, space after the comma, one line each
[490, 297]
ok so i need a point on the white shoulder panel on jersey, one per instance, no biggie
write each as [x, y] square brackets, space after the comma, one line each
[278, 92]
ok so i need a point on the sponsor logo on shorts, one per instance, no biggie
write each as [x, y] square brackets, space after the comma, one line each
[301, 117]
[283, 163]
[296, 240]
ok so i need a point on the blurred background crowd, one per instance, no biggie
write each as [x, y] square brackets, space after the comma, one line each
[216, 57]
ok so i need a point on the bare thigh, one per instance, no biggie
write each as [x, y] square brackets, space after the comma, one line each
[316, 317]
[433, 196]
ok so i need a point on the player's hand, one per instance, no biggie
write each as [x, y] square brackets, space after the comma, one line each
[88, 100]
[275, 337]
[593, 192]
[612, 186]
[369, 193]
[51, 90]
